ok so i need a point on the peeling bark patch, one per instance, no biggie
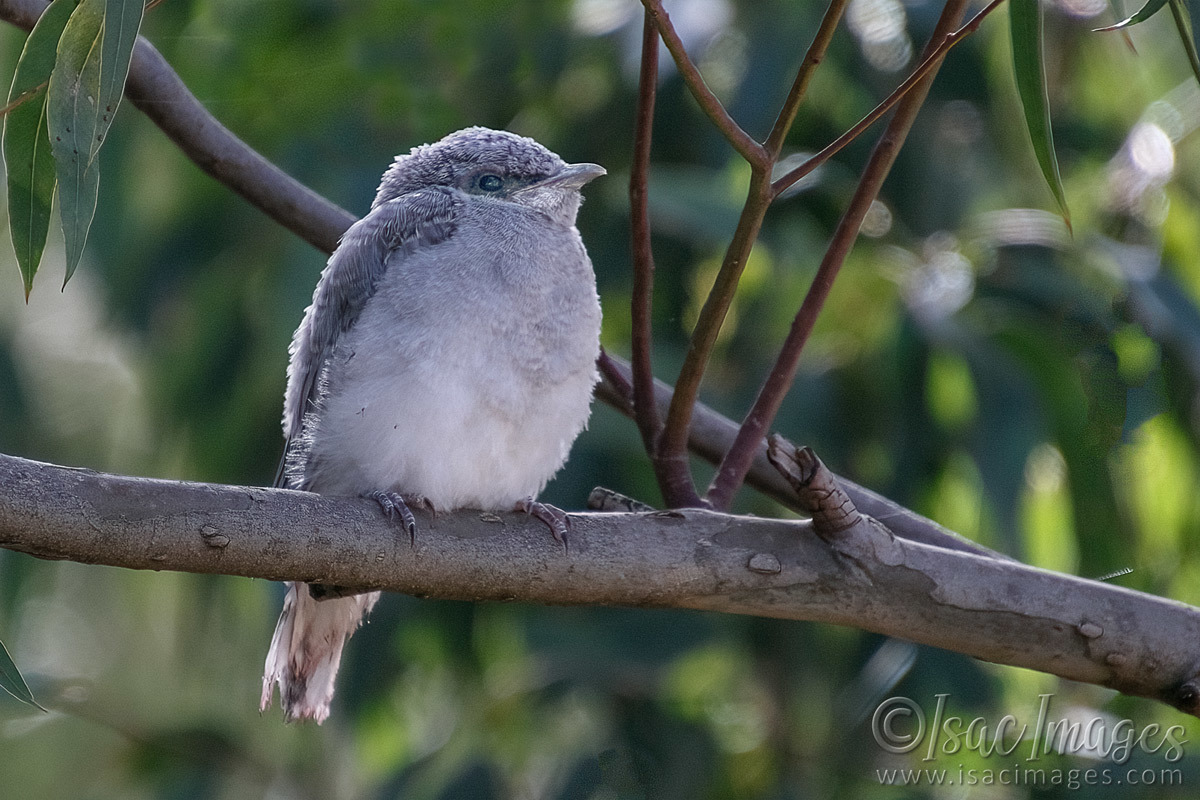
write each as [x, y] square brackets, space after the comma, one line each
[213, 537]
[764, 564]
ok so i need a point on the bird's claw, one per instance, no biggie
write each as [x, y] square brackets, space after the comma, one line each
[393, 503]
[553, 517]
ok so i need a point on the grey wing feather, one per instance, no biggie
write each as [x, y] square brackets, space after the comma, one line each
[417, 219]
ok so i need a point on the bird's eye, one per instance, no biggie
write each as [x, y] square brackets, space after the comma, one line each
[490, 183]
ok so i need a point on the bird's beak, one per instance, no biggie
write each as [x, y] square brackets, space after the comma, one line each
[572, 176]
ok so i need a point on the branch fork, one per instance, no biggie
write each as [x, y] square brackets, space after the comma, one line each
[666, 440]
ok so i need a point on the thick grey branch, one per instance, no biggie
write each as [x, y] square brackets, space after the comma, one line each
[994, 610]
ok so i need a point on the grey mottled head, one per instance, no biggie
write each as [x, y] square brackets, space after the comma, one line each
[492, 166]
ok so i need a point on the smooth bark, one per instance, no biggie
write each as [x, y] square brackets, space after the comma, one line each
[998, 611]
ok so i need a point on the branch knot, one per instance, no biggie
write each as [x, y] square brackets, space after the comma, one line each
[832, 510]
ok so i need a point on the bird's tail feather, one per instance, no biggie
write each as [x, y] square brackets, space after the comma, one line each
[306, 650]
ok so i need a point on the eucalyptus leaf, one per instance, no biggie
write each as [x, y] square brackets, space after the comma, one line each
[30, 165]
[122, 20]
[12, 682]
[1025, 20]
[85, 89]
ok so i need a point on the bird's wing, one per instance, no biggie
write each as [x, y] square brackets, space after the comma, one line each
[391, 230]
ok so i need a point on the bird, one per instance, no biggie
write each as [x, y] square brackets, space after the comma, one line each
[448, 360]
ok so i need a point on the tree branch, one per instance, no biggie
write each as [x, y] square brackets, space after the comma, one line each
[736, 463]
[864, 577]
[645, 411]
[159, 93]
[928, 66]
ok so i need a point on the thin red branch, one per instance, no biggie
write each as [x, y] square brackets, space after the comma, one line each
[928, 64]
[808, 68]
[613, 375]
[736, 463]
[742, 142]
[645, 410]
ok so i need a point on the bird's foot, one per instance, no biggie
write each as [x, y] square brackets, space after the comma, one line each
[554, 518]
[393, 504]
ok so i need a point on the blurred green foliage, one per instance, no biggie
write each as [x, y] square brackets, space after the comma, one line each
[1032, 390]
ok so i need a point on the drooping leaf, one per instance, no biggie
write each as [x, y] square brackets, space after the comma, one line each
[1025, 21]
[70, 109]
[85, 90]
[122, 20]
[1183, 24]
[1147, 11]
[12, 682]
[30, 166]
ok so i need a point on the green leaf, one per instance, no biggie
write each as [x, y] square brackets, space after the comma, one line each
[1025, 21]
[122, 20]
[12, 682]
[1183, 23]
[85, 90]
[74, 84]
[1147, 11]
[30, 166]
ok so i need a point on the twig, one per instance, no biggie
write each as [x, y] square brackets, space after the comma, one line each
[670, 453]
[669, 450]
[742, 142]
[928, 64]
[808, 68]
[617, 379]
[23, 14]
[736, 463]
[645, 411]
[23, 97]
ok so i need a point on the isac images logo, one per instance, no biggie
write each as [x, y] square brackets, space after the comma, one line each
[900, 725]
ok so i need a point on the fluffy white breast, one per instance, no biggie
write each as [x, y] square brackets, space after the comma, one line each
[469, 373]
